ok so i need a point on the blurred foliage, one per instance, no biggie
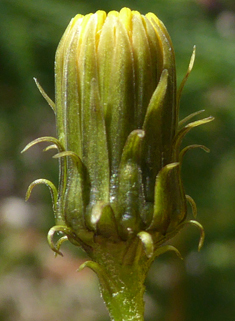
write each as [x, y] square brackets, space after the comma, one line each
[33, 286]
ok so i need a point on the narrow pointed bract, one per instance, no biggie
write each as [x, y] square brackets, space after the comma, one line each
[120, 193]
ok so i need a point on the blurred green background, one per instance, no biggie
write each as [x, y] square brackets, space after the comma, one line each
[34, 285]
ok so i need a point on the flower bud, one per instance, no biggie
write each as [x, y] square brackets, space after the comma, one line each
[118, 133]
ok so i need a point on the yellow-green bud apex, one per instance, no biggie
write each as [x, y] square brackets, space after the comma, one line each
[120, 193]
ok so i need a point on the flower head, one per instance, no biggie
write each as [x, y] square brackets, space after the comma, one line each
[118, 133]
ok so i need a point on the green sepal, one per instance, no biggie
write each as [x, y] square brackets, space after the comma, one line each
[58, 244]
[76, 159]
[132, 149]
[130, 194]
[180, 135]
[45, 96]
[105, 282]
[166, 248]
[170, 114]
[105, 53]
[190, 67]
[200, 227]
[189, 117]
[52, 189]
[192, 204]
[57, 229]
[186, 149]
[50, 147]
[48, 183]
[120, 103]
[69, 109]
[46, 139]
[102, 221]
[145, 54]
[61, 78]
[95, 148]
[59, 216]
[147, 213]
[82, 239]
[155, 48]
[76, 195]
[152, 143]
[147, 242]
[169, 203]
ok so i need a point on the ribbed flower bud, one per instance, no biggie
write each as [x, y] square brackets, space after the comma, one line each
[118, 138]
[115, 108]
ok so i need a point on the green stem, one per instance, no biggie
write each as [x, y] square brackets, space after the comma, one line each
[121, 278]
[124, 294]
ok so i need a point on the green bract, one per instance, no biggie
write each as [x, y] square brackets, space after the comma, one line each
[120, 193]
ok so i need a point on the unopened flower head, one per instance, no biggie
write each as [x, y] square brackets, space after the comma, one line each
[118, 133]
